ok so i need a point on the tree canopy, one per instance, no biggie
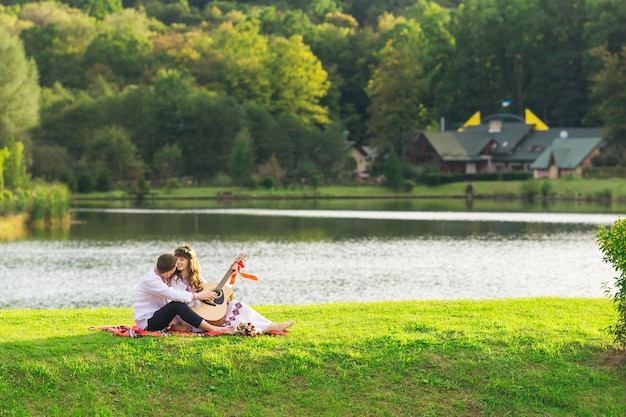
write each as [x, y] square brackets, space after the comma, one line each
[301, 77]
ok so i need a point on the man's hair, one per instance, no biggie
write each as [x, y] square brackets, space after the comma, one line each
[166, 263]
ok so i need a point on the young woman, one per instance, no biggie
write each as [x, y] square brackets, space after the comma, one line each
[157, 302]
[189, 274]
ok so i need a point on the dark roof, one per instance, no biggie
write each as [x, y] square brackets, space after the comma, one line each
[447, 145]
[516, 142]
[509, 136]
[539, 141]
[567, 153]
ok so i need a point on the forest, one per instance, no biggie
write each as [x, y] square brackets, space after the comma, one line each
[102, 93]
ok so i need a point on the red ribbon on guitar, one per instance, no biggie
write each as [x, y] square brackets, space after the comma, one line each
[238, 270]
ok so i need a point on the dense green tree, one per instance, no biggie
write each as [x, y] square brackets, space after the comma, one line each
[118, 56]
[110, 150]
[331, 44]
[272, 169]
[476, 68]
[356, 71]
[161, 118]
[368, 11]
[609, 92]
[243, 70]
[52, 163]
[284, 23]
[4, 154]
[557, 81]
[15, 170]
[393, 170]
[319, 9]
[97, 8]
[298, 81]
[242, 158]
[211, 125]
[121, 50]
[280, 74]
[167, 162]
[298, 74]
[57, 39]
[399, 88]
[325, 148]
[176, 12]
[434, 21]
[268, 135]
[19, 87]
[604, 24]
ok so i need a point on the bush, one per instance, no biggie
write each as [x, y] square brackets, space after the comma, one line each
[252, 183]
[529, 189]
[222, 180]
[432, 179]
[84, 184]
[267, 182]
[172, 184]
[611, 241]
[515, 176]
[546, 188]
[104, 182]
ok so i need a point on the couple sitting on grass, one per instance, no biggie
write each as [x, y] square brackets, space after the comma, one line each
[166, 294]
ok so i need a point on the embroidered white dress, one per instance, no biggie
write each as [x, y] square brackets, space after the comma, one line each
[236, 311]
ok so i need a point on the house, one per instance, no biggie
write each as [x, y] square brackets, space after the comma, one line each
[505, 143]
[363, 156]
[566, 157]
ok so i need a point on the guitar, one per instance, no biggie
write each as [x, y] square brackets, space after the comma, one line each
[214, 311]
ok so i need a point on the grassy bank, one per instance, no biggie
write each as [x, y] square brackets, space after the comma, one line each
[522, 357]
[39, 205]
[13, 227]
[585, 189]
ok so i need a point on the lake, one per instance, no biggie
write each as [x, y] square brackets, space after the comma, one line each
[317, 252]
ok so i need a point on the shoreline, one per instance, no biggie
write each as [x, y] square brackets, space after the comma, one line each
[354, 197]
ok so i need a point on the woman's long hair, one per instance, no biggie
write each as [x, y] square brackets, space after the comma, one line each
[195, 279]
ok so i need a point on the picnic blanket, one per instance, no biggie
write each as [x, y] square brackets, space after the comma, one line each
[134, 331]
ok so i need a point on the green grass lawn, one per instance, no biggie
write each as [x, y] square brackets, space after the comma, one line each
[613, 188]
[518, 357]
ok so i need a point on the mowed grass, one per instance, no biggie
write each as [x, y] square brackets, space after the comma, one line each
[515, 357]
[611, 188]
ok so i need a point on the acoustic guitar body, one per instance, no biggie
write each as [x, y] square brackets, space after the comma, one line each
[214, 312]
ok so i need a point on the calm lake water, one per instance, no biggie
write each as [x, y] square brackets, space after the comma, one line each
[318, 252]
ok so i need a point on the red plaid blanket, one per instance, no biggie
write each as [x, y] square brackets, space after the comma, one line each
[134, 331]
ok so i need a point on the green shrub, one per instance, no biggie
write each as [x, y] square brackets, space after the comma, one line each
[267, 182]
[612, 242]
[432, 179]
[49, 203]
[84, 184]
[252, 183]
[222, 180]
[515, 176]
[529, 189]
[104, 182]
[172, 184]
[546, 188]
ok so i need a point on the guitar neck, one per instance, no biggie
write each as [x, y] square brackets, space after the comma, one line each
[229, 272]
[222, 282]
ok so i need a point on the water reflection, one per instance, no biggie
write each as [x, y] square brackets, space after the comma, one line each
[313, 256]
[382, 204]
[317, 225]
